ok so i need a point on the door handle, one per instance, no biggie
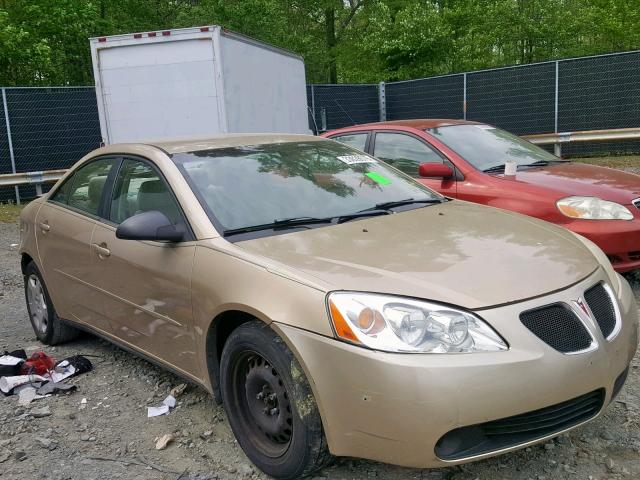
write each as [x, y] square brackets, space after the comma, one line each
[45, 227]
[102, 251]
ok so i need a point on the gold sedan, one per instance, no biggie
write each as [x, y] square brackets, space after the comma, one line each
[334, 305]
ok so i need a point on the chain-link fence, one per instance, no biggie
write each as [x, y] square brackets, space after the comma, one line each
[416, 99]
[334, 106]
[45, 129]
[587, 93]
[51, 128]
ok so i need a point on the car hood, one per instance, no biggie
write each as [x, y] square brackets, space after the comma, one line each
[457, 252]
[587, 180]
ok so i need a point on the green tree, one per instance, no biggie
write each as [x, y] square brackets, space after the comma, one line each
[45, 42]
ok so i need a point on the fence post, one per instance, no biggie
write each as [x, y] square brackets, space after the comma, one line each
[464, 96]
[557, 148]
[382, 101]
[9, 140]
[313, 106]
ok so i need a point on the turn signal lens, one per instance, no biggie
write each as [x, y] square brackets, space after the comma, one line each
[340, 324]
[569, 211]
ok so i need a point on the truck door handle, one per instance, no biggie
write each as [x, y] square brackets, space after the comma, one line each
[45, 227]
[102, 251]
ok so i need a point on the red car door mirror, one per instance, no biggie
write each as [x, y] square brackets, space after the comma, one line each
[435, 170]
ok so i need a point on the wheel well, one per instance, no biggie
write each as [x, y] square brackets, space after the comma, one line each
[219, 331]
[24, 261]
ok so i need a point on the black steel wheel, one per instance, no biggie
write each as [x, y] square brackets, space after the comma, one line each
[260, 399]
[266, 404]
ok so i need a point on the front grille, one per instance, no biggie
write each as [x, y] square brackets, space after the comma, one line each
[602, 308]
[615, 259]
[558, 327]
[633, 256]
[512, 431]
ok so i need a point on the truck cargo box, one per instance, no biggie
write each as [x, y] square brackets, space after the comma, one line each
[197, 81]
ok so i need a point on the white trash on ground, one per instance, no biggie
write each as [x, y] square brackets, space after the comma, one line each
[167, 404]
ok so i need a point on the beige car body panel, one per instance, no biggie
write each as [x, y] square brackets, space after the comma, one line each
[395, 254]
[393, 407]
[145, 290]
[161, 301]
[63, 237]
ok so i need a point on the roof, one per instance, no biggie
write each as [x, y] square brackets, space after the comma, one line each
[422, 123]
[193, 144]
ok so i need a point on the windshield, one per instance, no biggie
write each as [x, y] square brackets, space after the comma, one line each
[485, 147]
[261, 184]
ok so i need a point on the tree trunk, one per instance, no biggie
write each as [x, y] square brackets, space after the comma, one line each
[330, 25]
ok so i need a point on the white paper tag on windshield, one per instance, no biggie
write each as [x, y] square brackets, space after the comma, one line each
[485, 127]
[354, 159]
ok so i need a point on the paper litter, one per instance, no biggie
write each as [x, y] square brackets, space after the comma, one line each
[167, 404]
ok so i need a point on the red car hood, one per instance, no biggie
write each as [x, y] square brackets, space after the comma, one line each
[586, 180]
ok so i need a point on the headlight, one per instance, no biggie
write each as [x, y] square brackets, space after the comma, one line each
[593, 208]
[397, 324]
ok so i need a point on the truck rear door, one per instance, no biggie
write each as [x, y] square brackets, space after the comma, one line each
[140, 83]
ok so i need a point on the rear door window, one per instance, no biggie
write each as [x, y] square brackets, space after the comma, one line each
[355, 140]
[83, 190]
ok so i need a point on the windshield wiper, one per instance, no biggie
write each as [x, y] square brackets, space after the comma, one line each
[363, 213]
[495, 168]
[539, 163]
[299, 221]
[279, 225]
[399, 203]
[542, 163]
[379, 209]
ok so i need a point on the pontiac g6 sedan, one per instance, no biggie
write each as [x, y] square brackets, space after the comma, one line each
[334, 305]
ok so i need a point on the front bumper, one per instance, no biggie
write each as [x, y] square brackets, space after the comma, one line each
[394, 408]
[619, 239]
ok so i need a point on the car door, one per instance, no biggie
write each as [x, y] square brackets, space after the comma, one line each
[146, 285]
[406, 152]
[64, 228]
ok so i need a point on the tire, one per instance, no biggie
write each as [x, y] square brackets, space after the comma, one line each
[270, 405]
[46, 324]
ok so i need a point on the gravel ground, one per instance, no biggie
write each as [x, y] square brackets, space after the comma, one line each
[111, 437]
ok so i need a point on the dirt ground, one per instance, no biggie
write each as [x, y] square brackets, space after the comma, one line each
[111, 437]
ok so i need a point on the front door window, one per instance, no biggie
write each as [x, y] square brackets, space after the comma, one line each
[404, 152]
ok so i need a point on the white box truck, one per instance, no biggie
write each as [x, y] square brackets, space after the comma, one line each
[197, 81]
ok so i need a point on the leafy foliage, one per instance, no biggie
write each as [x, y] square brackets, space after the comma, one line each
[44, 42]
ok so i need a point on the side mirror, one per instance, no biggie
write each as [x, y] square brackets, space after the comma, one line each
[152, 225]
[435, 170]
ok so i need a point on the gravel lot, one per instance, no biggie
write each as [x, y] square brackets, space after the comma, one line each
[111, 437]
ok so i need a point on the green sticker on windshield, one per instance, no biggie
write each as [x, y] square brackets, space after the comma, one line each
[376, 177]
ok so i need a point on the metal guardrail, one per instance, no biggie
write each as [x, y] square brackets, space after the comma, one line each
[556, 139]
[31, 178]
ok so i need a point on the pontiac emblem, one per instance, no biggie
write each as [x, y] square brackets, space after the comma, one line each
[583, 306]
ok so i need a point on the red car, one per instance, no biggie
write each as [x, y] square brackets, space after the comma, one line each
[466, 160]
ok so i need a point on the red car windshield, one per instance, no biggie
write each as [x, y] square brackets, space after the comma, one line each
[486, 147]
